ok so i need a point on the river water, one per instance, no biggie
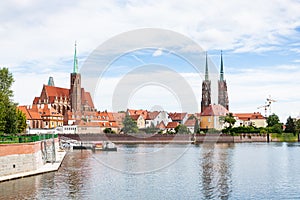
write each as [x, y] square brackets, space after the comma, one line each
[207, 171]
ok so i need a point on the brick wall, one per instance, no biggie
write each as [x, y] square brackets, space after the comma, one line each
[18, 158]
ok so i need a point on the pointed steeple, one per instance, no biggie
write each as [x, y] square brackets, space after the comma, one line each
[206, 67]
[222, 69]
[51, 81]
[75, 67]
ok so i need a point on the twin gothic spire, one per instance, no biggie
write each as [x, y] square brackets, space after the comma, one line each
[222, 88]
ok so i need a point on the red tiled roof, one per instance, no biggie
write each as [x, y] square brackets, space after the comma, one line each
[105, 116]
[172, 125]
[190, 122]
[24, 110]
[134, 117]
[152, 115]
[36, 100]
[214, 110]
[177, 116]
[144, 113]
[161, 125]
[86, 98]
[50, 111]
[30, 113]
[248, 116]
[56, 91]
[108, 124]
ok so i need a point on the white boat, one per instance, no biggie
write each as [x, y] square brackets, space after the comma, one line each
[106, 146]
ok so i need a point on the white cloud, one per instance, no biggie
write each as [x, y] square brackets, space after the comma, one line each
[158, 52]
[37, 40]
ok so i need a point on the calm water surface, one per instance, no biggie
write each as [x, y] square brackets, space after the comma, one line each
[208, 171]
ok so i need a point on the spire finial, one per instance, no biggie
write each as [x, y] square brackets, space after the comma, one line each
[222, 69]
[206, 67]
[75, 67]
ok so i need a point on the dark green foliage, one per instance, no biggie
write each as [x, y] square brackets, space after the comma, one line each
[277, 128]
[297, 126]
[274, 125]
[182, 129]
[129, 125]
[272, 120]
[21, 121]
[242, 129]
[108, 130]
[290, 125]
[229, 118]
[151, 129]
[12, 120]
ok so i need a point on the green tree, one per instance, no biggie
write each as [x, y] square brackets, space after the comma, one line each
[6, 81]
[182, 129]
[297, 126]
[290, 125]
[151, 129]
[12, 121]
[272, 120]
[129, 125]
[229, 118]
[21, 121]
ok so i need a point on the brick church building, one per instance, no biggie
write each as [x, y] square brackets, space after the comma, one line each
[222, 89]
[61, 105]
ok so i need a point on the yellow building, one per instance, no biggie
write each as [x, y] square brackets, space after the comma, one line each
[210, 117]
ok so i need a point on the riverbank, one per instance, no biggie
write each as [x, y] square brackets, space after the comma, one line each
[23, 159]
[167, 138]
[47, 167]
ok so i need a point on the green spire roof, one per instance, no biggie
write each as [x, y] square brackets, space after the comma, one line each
[206, 67]
[51, 81]
[222, 69]
[75, 67]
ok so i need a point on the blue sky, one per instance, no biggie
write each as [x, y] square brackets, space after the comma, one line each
[260, 40]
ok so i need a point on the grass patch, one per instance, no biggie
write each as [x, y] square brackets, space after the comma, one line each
[285, 137]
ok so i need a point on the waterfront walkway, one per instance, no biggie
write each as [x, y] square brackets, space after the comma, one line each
[48, 167]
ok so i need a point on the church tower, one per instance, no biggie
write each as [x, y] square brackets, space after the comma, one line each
[222, 88]
[75, 86]
[206, 88]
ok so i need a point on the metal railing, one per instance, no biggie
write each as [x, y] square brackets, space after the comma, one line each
[25, 138]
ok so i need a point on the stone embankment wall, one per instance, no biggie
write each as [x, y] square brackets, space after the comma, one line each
[22, 157]
[176, 138]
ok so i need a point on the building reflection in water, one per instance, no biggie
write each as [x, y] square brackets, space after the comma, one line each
[215, 164]
[25, 187]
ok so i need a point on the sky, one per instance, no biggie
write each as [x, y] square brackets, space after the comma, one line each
[260, 40]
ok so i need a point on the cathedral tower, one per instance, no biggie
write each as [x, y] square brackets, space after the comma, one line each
[222, 88]
[206, 88]
[75, 86]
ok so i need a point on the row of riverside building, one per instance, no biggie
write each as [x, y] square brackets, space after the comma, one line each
[73, 111]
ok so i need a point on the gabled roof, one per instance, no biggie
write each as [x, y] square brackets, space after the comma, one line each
[86, 98]
[53, 91]
[249, 116]
[172, 124]
[152, 115]
[177, 116]
[50, 111]
[161, 125]
[105, 116]
[135, 117]
[190, 122]
[108, 124]
[215, 110]
[144, 113]
[36, 100]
